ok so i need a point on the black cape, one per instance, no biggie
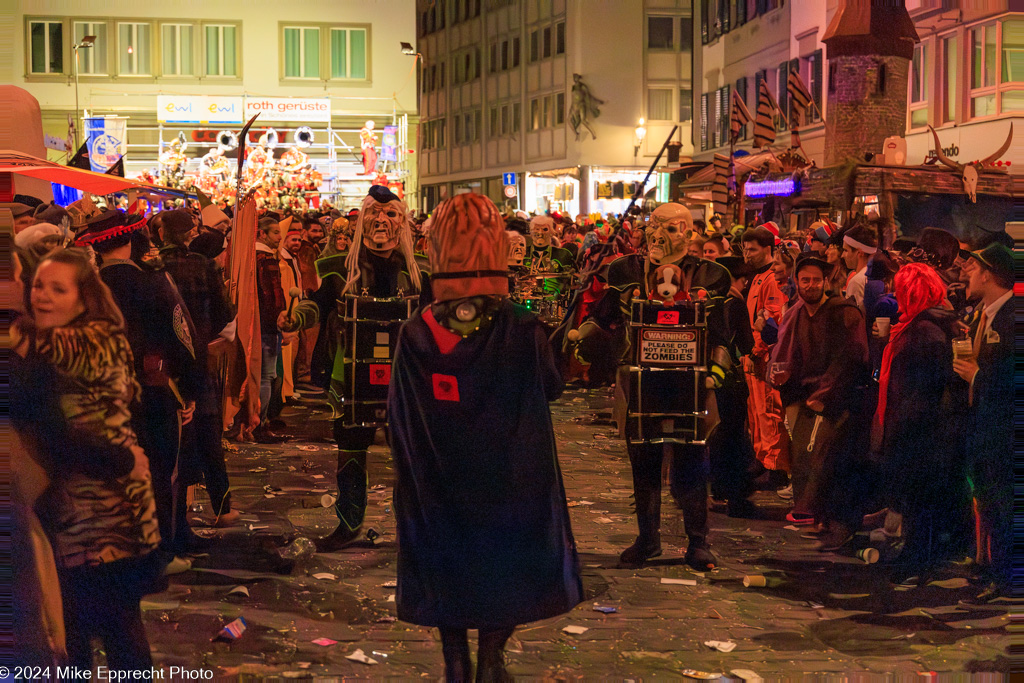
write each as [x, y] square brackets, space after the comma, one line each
[484, 539]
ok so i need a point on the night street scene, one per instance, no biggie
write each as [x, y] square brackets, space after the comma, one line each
[494, 340]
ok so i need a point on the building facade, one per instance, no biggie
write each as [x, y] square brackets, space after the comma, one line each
[966, 78]
[330, 66]
[500, 106]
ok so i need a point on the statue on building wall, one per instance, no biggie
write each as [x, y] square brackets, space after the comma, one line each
[584, 106]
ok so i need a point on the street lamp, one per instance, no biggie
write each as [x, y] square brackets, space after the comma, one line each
[640, 133]
[86, 42]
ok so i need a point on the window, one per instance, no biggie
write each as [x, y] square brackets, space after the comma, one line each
[46, 41]
[685, 104]
[560, 38]
[1013, 64]
[548, 115]
[348, 53]
[301, 52]
[493, 122]
[457, 134]
[547, 42]
[504, 119]
[92, 60]
[534, 114]
[503, 63]
[686, 34]
[515, 52]
[722, 120]
[951, 52]
[704, 121]
[815, 64]
[133, 49]
[442, 126]
[177, 48]
[517, 117]
[659, 33]
[659, 104]
[441, 76]
[560, 109]
[919, 87]
[221, 50]
[782, 96]
[534, 46]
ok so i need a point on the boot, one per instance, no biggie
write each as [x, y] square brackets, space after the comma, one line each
[458, 668]
[648, 521]
[490, 657]
[351, 503]
[699, 555]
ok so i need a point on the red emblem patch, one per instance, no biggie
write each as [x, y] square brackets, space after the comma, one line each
[380, 374]
[668, 317]
[446, 387]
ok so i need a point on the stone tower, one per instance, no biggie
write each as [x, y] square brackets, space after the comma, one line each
[869, 44]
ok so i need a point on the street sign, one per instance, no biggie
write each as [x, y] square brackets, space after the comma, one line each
[510, 191]
[508, 179]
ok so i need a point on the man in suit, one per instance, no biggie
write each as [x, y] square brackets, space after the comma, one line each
[989, 371]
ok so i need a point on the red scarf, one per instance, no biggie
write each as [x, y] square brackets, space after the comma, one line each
[918, 288]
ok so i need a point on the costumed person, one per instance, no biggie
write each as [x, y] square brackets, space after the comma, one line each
[859, 245]
[764, 300]
[483, 527]
[291, 279]
[159, 328]
[989, 374]
[380, 264]
[917, 425]
[669, 228]
[368, 145]
[543, 256]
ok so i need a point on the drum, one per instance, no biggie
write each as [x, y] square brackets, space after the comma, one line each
[371, 332]
[666, 394]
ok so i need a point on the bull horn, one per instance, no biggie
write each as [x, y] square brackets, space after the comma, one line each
[942, 157]
[1001, 151]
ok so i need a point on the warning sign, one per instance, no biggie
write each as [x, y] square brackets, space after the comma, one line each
[668, 347]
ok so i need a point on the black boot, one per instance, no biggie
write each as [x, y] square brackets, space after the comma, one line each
[490, 657]
[455, 647]
[648, 521]
[699, 555]
[351, 503]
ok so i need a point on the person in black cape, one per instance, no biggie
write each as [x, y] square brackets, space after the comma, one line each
[484, 540]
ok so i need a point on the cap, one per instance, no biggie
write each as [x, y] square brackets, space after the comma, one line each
[822, 230]
[997, 258]
[382, 194]
[212, 215]
[806, 260]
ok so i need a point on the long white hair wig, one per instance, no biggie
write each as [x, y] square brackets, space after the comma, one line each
[405, 245]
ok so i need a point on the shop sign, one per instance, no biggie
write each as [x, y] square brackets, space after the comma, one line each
[198, 109]
[307, 109]
[785, 187]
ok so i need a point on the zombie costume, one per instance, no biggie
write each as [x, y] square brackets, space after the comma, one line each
[381, 265]
[483, 526]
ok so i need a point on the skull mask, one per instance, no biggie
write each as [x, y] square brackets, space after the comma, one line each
[541, 230]
[516, 248]
[381, 223]
[668, 230]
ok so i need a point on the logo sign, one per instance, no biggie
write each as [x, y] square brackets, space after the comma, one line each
[668, 317]
[105, 140]
[508, 179]
[198, 109]
[510, 191]
[313, 110]
[380, 374]
[389, 144]
[668, 347]
[55, 143]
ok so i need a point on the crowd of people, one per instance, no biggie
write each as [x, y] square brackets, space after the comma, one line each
[867, 381]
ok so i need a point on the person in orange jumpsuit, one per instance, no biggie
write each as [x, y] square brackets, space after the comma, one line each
[764, 300]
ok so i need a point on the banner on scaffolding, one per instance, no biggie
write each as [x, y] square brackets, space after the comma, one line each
[389, 144]
[107, 140]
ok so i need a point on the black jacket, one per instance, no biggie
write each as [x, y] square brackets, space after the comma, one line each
[201, 285]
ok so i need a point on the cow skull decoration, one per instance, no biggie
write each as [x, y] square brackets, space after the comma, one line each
[970, 173]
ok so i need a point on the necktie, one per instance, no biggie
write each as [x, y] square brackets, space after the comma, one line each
[979, 334]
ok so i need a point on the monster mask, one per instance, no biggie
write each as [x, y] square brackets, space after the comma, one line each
[516, 248]
[383, 215]
[668, 230]
[541, 230]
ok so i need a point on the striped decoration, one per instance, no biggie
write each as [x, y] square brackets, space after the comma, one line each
[720, 188]
[739, 117]
[799, 98]
[764, 124]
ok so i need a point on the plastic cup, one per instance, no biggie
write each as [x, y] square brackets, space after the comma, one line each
[962, 348]
[869, 555]
[883, 326]
[761, 581]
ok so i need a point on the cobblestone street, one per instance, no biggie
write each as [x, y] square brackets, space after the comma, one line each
[821, 613]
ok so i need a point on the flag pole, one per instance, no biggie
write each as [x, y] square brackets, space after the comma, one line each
[640, 189]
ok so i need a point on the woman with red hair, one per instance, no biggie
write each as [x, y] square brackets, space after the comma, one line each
[916, 421]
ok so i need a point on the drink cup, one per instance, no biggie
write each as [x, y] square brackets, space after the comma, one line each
[962, 348]
[883, 326]
[869, 555]
[761, 581]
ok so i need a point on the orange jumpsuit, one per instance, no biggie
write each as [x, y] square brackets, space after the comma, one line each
[764, 407]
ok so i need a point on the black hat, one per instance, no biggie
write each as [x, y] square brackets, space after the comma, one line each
[17, 208]
[998, 259]
[102, 231]
[811, 260]
[28, 199]
[382, 194]
[736, 266]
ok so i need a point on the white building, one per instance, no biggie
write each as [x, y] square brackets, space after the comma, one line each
[966, 78]
[342, 58]
[497, 95]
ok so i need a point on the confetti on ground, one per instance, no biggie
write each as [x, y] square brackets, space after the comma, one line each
[721, 645]
[325, 642]
[325, 576]
[360, 656]
[605, 610]
[679, 582]
[576, 630]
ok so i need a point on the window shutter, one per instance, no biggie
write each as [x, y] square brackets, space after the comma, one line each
[723, 15]
[705, 35]
[703, 121]
[741, 92]
[782, 96]
[816, 70]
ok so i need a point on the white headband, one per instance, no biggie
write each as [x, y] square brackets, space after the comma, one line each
[858, 246]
